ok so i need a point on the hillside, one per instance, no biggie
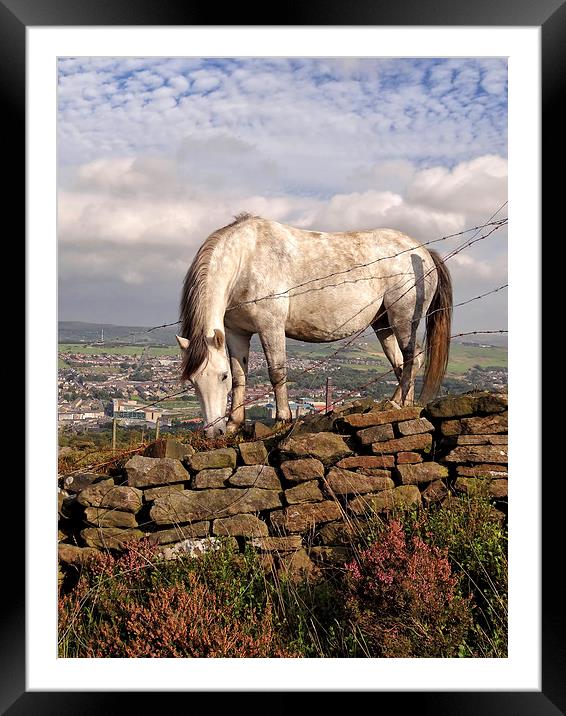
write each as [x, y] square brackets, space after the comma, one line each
[83, 332]
[463, 354]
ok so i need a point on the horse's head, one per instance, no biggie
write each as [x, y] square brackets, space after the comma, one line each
[212, 380]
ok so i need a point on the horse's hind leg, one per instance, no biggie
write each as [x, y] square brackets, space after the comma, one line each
[405, 333]
[390, 347]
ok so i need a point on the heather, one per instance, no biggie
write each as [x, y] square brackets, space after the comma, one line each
[428, 583]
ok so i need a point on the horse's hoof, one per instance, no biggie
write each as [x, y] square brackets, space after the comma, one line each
[233, 428]
[282, 424]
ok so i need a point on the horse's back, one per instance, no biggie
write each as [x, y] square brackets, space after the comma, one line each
[316, 251]
[327, 284]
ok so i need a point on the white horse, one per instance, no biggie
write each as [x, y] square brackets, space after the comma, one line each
[260, 276]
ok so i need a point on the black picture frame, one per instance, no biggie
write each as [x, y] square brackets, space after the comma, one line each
[550, 16]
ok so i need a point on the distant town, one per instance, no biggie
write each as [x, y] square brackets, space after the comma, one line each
[138, 383]
[95, 388]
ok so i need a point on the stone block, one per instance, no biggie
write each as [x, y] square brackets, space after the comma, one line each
[406, 458]
[415, 427]
[169, 447]
[304, 492]
[212, 459]
[211, 479]
[376, 434]
[179, 533]
[240, 526]
[253, 453]
[153, 471]
[302, 470]
[197, 505]
[101, 517]
[76, 556]
[435, 492]
[404, 444]
[277, 544]
[346, 482]
[362, 462]
[260, 476]
[381, 417]
[478, 453]
[326, 447]
[404, 497]
[479, 425]
[111, 497]
[110, 537]
[150, 493]
[421, 472]
[301, 518]
[196, 547]
[485, 470]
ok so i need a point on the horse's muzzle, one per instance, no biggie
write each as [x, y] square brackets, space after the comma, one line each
[216, 430]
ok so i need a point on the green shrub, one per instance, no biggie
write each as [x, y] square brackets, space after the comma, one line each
[314, 618]
[475, 536]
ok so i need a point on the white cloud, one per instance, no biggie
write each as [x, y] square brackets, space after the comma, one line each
[179, 83]
[293, 112]
[155, 154]
[480, 183]
[133, 222]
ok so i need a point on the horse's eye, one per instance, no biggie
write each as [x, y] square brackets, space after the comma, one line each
[225, 376]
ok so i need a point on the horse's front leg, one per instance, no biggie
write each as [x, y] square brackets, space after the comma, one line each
[239, 350]
[273, 343]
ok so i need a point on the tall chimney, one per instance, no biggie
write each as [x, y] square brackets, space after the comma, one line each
[328, 394]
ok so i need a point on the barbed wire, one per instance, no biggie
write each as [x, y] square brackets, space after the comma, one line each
[356, 335]
[281, 294]
[323, 361]
[474, 239]
[349, 394]
[391, 370]
[296, 422]
[350, 341]
[489, 222]
[332, 355]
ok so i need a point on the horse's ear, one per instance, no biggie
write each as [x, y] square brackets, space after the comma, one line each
[183, 342]
[218, 339]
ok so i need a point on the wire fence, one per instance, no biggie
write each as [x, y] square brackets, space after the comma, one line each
[488, 228]
[497, 224]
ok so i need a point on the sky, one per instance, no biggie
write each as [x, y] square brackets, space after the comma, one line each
[154, 154]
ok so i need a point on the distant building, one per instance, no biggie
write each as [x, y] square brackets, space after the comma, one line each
[297, 409]
[94, 414]
[131, 410]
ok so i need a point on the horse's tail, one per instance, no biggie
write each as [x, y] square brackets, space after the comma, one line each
[437, 340]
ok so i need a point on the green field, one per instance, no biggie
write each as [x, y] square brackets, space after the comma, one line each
[462, 357]
[117, 350]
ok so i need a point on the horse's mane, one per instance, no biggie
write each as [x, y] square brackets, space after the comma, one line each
[194, 299]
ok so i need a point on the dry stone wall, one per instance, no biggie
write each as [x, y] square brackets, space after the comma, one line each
[298, 499]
